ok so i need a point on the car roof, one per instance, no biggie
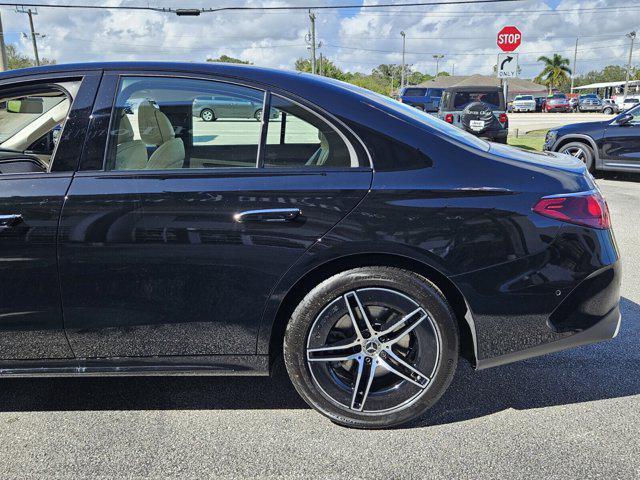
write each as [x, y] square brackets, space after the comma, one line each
[474, 89]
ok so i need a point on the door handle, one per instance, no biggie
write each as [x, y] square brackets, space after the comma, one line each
[7, 221]
[268, 215]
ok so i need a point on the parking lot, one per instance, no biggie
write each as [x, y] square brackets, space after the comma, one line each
[571, 414]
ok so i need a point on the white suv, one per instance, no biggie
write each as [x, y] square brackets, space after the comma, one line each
[524, 103]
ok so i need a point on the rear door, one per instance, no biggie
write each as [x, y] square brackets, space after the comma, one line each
[31, 322]
[180, 261]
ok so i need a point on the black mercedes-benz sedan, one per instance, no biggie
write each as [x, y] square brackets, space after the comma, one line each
[367, 243]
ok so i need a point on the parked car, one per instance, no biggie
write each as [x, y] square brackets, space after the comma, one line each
[190, 251]
[210, 108]
[480, 111]
[425, 99]
[629, 102]
[609, 106]
[557, 102]
[589, 102]
[524, 103]
[612, 144]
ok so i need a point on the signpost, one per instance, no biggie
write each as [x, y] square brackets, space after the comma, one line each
[509, 39]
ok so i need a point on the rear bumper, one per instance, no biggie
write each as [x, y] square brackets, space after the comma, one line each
[564, 296]
[606, 329]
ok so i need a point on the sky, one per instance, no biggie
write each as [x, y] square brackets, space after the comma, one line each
[356, 39]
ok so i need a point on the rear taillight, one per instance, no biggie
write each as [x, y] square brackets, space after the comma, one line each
[448, 118]
[586, 208]
[503, 118]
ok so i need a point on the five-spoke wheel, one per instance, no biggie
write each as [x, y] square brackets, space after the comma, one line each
[372, 350]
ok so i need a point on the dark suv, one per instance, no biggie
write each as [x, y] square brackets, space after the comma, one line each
[425, 99]
[613, 144]
[478, 110]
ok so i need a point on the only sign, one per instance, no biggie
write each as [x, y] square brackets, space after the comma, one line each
[509, 38]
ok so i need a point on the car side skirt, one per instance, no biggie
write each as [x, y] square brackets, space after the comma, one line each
[216, 365]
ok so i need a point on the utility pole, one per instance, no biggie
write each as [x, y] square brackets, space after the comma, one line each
[402, 78]
[632, 36]
[573, 71]
[3, 50]
[34, 35]
[321, 67]
[438, 57]
[312, 17]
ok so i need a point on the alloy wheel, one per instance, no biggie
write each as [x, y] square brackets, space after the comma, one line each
[577, 152]
[206, 115]
[373, 350]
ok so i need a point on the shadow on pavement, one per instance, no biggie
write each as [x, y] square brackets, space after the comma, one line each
[594, 372]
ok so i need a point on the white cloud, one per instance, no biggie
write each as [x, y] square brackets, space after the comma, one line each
[356, 39]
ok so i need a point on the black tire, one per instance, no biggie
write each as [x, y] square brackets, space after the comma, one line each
[208, 115]
[385, 294]
[582, 151]
[608, 111]
[258, 115]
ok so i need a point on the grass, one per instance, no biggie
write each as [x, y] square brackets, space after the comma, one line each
[533, 140]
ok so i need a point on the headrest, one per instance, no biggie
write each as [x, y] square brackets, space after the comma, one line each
[155, 127]
[125, 132]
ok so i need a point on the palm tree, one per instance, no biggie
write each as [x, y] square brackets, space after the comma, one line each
[556, 70]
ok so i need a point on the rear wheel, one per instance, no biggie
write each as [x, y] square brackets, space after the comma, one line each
[608, 111]
[580, 150]
[372, 347]
[258, 115]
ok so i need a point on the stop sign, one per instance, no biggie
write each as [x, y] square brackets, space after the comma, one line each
[509, 38]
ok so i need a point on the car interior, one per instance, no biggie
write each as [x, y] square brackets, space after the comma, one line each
[31, 122]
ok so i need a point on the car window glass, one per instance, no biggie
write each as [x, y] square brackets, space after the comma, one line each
[167, 123]
[462, 99]
[297, 137]
[415, 92]
[31, 123]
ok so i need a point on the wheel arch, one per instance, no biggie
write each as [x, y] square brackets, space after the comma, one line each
[311, 278]
[577, 137]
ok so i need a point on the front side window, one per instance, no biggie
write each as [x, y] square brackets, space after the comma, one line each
[297, 137]
[170, 123]
[31, 123]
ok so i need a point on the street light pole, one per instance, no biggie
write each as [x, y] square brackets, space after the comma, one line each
[575, 56]
[438, 56]
[402, 78]
[632, 36]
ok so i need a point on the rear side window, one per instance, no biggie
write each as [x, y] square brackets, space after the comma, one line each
[297, 137]
[436, 92]
[163, 123]
[415, 92]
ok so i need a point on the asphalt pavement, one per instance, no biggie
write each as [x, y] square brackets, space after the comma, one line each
[574, 414]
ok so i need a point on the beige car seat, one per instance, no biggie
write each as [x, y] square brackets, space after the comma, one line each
[130, 154]
[156, 129]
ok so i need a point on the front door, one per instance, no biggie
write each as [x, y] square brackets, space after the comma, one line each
[180, 261]
[621, 143]
[42, 127]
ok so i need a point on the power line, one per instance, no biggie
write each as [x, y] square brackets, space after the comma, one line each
[198, 11]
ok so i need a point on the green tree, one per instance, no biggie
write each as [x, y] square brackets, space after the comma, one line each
[328, 68]
[228, 59]
[556, 71]
[16, 60]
